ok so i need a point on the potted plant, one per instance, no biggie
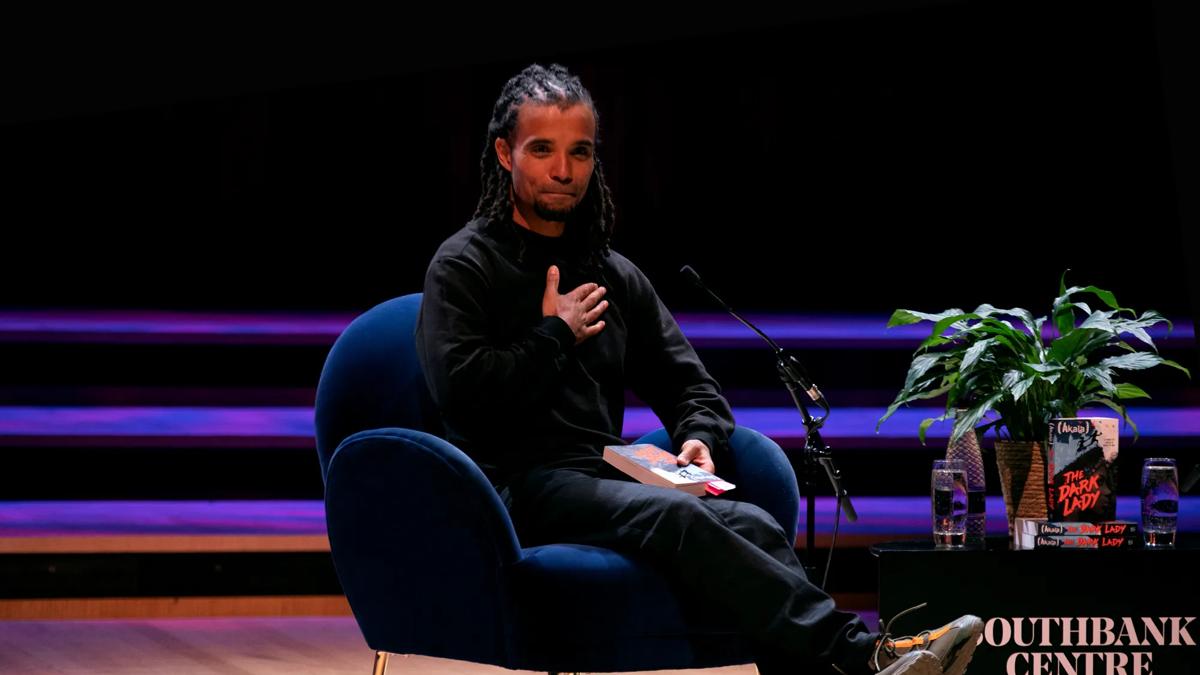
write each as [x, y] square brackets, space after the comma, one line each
[999, 361]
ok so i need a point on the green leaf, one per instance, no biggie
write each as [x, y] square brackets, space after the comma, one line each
[920, 365]
[974, 352]
[1062, 283]
[1154, 317]
[982, 429]
[1064, 320]
[933, 341]
[891, 409]
[904, 317]
[1137, 327]
[1141, 334]
[1118, 408]
[1075, 343]
[1099, 320]
[916, 393]
[1011, 378]
[968, 420]
[1134, 361]
[1025, 316]
[932, 393]
[1126, 390]
[1019, 389]
[950, 320]
[1101, 375]
[1105, 296]
[1169, 362]
[925, 424]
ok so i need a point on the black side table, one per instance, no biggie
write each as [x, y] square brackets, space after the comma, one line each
[1062, 612]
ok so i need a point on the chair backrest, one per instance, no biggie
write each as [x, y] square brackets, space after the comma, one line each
[372, 379]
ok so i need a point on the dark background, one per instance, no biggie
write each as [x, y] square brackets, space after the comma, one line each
[841, 156]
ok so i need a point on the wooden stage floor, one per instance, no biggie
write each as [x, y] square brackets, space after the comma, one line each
[242, 646]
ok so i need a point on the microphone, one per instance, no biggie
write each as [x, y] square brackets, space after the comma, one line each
[787, 362]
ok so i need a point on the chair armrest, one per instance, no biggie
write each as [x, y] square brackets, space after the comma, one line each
[428, 541]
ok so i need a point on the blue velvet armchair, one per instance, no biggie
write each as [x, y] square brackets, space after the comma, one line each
[428, 557]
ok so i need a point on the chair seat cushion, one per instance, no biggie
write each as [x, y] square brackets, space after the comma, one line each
[598, 609]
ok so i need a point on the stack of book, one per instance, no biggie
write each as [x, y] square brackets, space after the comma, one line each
[1036, 533]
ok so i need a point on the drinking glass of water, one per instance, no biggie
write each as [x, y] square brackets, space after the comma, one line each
[949, 505]
[1160, 502]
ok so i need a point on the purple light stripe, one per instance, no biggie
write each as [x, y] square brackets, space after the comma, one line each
[878, 516]
[168, 327]
[825, 330]
[704, 330]
[158, 422]
[858, 423]
[59, 518]
[297, 422]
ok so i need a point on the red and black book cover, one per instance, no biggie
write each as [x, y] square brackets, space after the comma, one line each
[1081, 469]
[1111, 528]
[1083, 541]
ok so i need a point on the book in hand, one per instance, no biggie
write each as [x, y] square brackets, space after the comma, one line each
[652, 465]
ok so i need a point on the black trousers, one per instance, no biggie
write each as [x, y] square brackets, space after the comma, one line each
[702, 544]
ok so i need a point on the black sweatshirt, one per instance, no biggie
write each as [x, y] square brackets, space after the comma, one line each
[514, 389]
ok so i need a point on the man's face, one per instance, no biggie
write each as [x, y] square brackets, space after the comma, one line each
[551, 159]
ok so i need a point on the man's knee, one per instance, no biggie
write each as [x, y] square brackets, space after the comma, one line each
[750, 518]
[671, 512]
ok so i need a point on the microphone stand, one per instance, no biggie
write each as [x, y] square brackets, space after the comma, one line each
[815, 453]
[1191, 480]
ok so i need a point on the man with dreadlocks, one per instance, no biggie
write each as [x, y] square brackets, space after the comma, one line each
[531, 329]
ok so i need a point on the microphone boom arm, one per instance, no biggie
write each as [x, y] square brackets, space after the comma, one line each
[815, 453]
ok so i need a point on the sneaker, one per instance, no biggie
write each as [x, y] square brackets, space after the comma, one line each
[953, 644]
[918, 662]
[914, 663]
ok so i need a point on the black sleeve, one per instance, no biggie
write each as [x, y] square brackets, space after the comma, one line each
[467, 374]
[665, 372]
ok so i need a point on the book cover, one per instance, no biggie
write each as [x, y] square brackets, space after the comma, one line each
[1084, 541]
[1033, 533]
[652, 465]
[1081, 469]
[1108, 528]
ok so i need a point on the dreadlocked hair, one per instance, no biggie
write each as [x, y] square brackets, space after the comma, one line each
[592, 220]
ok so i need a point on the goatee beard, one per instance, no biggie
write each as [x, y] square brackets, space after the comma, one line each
[553, 215]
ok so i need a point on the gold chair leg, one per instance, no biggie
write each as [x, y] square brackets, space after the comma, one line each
[381, 659]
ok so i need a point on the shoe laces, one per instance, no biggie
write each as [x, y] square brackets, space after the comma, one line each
[886, 642]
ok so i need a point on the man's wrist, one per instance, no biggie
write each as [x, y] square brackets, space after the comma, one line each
[556, 327]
